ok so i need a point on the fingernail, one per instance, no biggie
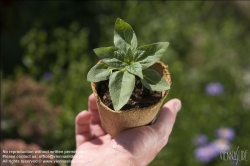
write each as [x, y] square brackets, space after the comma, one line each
[177, 105]
[153, 120]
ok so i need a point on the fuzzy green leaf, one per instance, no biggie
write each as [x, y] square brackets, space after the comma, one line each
[137, 54]
[99, 72]
[153, 53]
[121, 86]
[105, 52]
[129, 56]
[115, 63]
[121, 55]
[153, 81]
[124, 36]
[135, 68]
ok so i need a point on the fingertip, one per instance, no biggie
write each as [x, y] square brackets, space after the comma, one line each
[165, 121]
[174, 104]
[92, 103]
[83, 117]
[170, 110]
[92, 96]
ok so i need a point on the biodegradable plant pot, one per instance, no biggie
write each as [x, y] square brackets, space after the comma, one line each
[115, 122]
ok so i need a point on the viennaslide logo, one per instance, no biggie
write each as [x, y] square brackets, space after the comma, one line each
[234, 155]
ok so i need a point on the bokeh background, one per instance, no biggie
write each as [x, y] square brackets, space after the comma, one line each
[47, 50]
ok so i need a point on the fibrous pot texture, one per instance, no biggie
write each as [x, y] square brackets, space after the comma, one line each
[115, 122]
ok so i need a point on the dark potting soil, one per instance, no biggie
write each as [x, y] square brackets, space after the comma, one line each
[141, 97]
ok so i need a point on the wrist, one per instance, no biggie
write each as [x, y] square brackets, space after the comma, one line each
[116, 155]
[113, 161]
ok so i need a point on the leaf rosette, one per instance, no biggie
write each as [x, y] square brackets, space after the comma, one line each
[123, 61]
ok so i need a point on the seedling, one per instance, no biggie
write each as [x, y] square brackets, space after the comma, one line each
[121, 63]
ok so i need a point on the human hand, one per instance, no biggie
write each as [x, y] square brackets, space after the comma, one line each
[133, 147]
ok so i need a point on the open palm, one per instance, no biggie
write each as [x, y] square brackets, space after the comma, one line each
[137, 146]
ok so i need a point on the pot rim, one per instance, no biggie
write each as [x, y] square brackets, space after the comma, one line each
[165, 93]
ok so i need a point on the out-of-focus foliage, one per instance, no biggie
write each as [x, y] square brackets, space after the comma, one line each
[27, 111]
[208, 58]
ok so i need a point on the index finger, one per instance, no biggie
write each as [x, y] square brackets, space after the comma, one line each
[93, 110]
[95, 122]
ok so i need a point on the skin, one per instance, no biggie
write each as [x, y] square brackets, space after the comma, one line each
[134, 147]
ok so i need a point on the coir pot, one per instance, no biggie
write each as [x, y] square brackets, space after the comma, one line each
[115, 122]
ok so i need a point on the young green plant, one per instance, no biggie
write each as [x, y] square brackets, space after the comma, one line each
[123, 61]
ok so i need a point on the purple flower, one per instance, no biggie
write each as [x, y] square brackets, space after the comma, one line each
[208, 152]
[48, 76]
[226, 133]
[200, 139]
[205, 153]
[220, 145]
[214, 89]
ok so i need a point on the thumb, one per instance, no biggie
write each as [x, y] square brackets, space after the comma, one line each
[145, 142]
[165, 121]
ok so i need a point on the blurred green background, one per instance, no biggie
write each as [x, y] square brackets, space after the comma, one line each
[47, 50]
